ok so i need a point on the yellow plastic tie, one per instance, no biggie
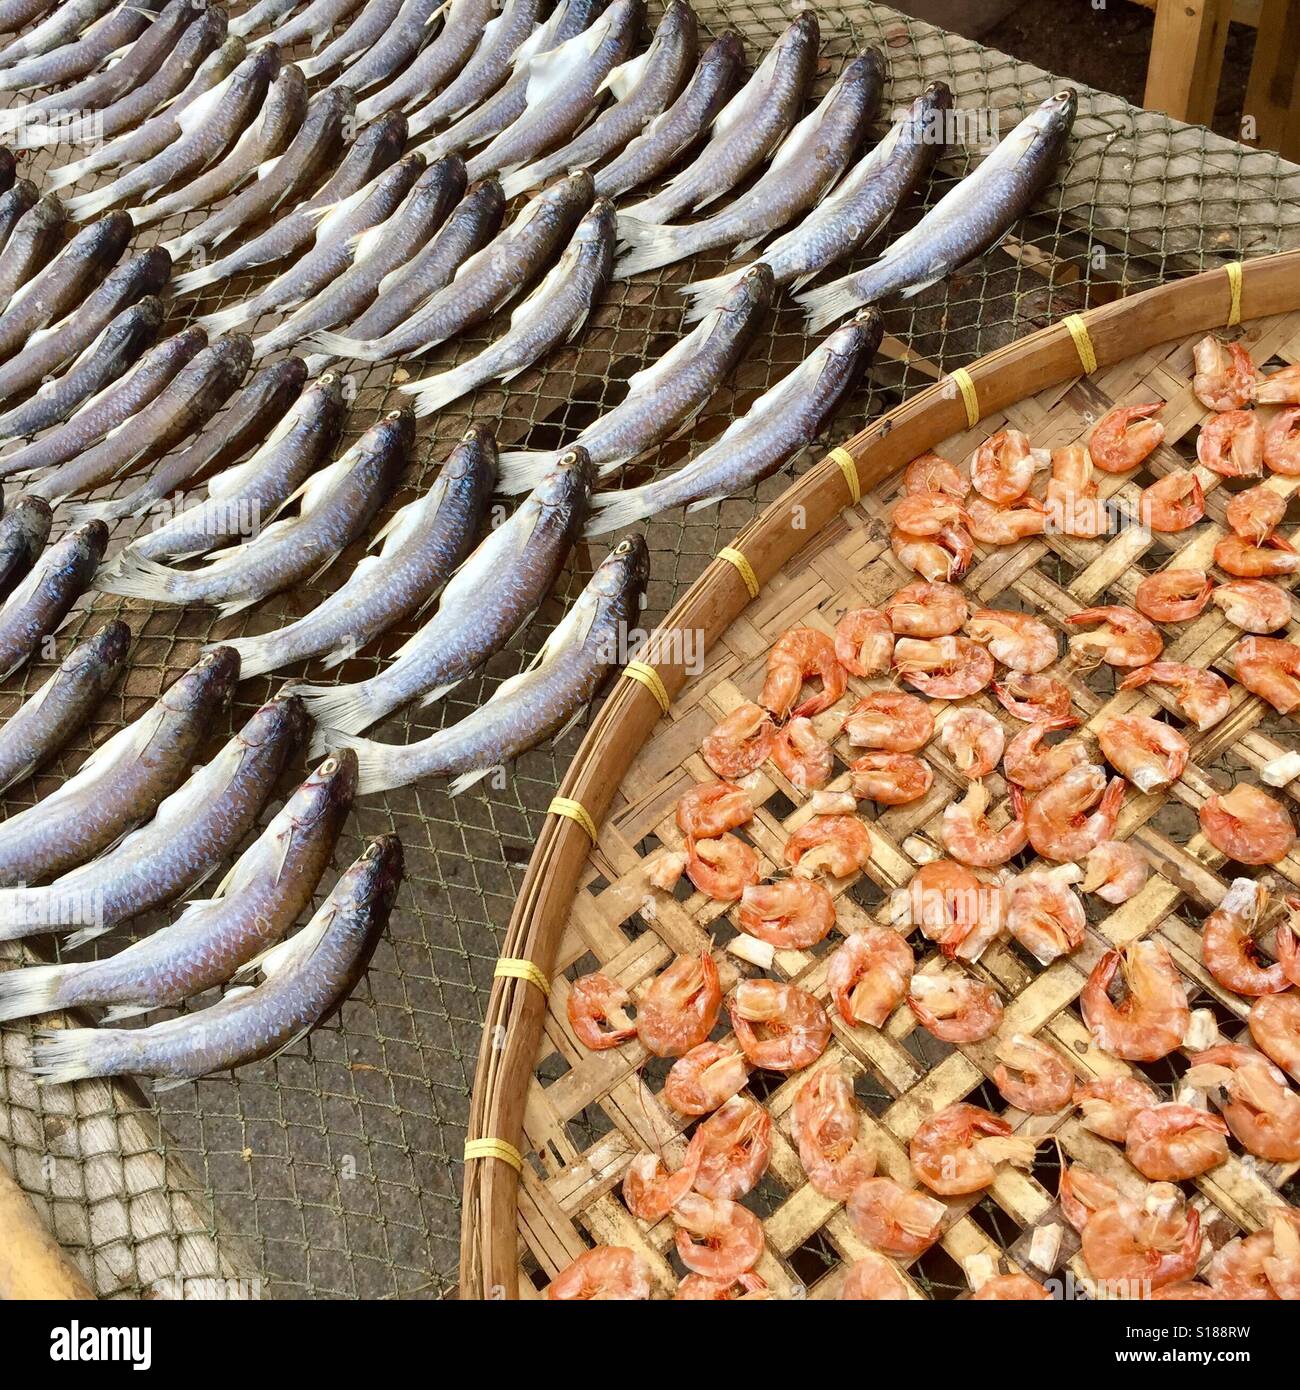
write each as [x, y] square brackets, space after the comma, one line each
[848, 466]
[1233, 271]
[650, 678]
[966, 386]
[575, 811]
[1082, 342]
[494, 1148]
[734, 557]
[517, 968]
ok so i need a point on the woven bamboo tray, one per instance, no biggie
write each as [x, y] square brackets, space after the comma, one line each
[578, 1117]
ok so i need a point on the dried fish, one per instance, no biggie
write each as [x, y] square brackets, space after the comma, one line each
[185, 404]
[314, 23]
[401, 42]
[50, 348]
[36, 236]
[338, 503]
[263, 12]
[76, 53]
[540, 701]
[489, 598]
[255, 413]
[308, 978]
[192, 832]
[15, 203]
[682, 125]
[486, 282]
[24, 529]
[422, 545]
[786, 417]
[463, 27]
[16, 13]
[42, 725]
[262, 896]
[314, 149]
[564, 86]
[64, 23]
[244, 496]
[374, 149]
[379, 251]
[965, 223]
[555, 312]
[110, 408]
[364, 29]
[749, 128]
[858, 210]
[806, 166]
[38, 605]
[665, 395]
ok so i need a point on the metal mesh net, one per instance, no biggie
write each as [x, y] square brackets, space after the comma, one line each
[333, 1170]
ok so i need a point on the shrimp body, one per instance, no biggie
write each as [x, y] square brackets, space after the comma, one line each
[896, 1220]
[1003, 467]
[1275, 1029]
[948, 903]
[1046, 916]
[1073, 506]
[1031, 764]
[1173, 596]
[722, 868]
[864, 642]
[1124, 436]
[991, 524]
[974, 739]
[802, 654]
[1232, 445]
[716, 1237]
[955, 1008]
[1035, 699]
[651, 1191]
[1082, 1193]
[968, 836]
[957, 1150]
[1247, 825]
[1149, 753]
[741, 742]
[1125, 637]
[1152, 1019]
[698, 1288]
[1281, 443]
[1279, 388]
[780, 1027]
[892, 721]
[701, 1079]
[1129, 1245]
[930, 472]
[892, 779]
[610, 1273]
[1174, 503]
[597, 1013]
[838, 844]
[1254, 605]
[680, 1007]
[735, 1149]
[802, 756]
[868, 976]
[1018, 640]
[712, 808]
[944, 668]
[1236, 1271]
[873, 1279]
[1274, 555]
[926, 610]
[1255, 513]
[1228, 946]
[1202, 695]
[926, 513]
[1261, 1110]
[1109, 1103]
[1225, 375]
[1174, 1142]
[1032, 1076]
[1115, 871]
[1270, 668]
[1060, 823]
[792, 915]
[939, 558]
[1012, 1288]
[826, 1126]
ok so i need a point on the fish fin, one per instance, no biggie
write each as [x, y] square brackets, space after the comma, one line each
[623, 79]
[439, 692]
[69, 1054]
[653, 244]
[830, 303]
[196, 279]
[224, 319]
[548, 72]
[134, 577]
[117, 1012]
[921, 285]
[31, 990]
[380, 766]
[520, 470]
[161, 1087]
[83, 935]
[337, 710]
[611, 511]
[465, 781]
[340, 345]
[705, 296]
[190, 117]
[434, 392]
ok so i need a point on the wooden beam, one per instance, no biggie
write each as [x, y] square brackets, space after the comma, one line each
[31, 1263]
[1273, 92]
[1243, 11]
[1187, 58]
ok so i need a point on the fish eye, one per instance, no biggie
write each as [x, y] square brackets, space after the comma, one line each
[329, 767]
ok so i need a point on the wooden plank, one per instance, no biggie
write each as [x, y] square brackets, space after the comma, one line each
[1272, 103]
[1187, 58]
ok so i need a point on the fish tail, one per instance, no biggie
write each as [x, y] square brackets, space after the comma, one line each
[95, 511]
[72, 1054]
[224, 319]
[707, 295]
[518, 181]
[433, 392]
[379, 765]
[134, 577]
[520, 470]
[336, 710]
[86, 205]
[824, 306]
[339, 345]
[652, 245]
[316, 362]
[32, 990]
[611, 511]
[196, 279]
[69, 174]
[256, 654]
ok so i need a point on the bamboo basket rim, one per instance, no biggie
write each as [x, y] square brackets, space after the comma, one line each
[1075, 346]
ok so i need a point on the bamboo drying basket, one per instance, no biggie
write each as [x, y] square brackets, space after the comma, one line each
[576, 1117]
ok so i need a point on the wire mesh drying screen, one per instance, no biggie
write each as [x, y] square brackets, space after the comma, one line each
[334, 1169]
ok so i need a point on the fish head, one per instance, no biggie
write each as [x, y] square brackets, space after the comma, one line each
[486, 199]
[753, 291]
[32, 518]
[104, 240]
[726, 53]
[395, 431]
[136, 326]
[444, 178]
[153, 269]
[49, 213]
[288, 375]
[864, 69]
[88, 542]
[859, 338]
[260, 68]
[803, 31]
[106, 649]
[382, 141]
[475, 454]
[328, 792]
[333, 107]
[567, 487]
[374, 879]
[623, 574]
[210, 681]
[599, 225]
[283, 718]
